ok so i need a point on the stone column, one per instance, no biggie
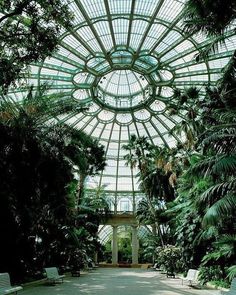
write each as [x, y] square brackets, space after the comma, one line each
[135, 245]
[114, 245]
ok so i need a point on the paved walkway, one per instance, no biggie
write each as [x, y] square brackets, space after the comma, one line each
[118, 281]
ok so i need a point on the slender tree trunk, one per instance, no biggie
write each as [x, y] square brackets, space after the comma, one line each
[157, 226]
[80, 190]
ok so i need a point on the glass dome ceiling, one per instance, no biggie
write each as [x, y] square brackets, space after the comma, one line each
[124, 58]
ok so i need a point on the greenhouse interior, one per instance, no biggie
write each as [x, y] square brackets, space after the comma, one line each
[117, 147]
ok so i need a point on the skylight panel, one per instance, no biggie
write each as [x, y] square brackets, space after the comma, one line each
[120, 27]
[109, 183]
[151, 129]
[94, 8]
[80, 124]
[170, 9]
[120, 6]
[109, 170]
[97, 131]
[86, 34]
[132, 129]
[138, 29]
[195, 67]
[200, 38]
[34, 69]
[184, 45]
[142, 115]
[158, 141]
[91, 125]
[215, 77]
[124, 184]
[167, 41]
[77, 13]
[157, 106]
[112, 152]
[106, 115]
[158, 123]
[141, 129]
[171, 141]
[230, 44]
[146, 7]
[81, 94]
[103, 30]
[167, 92]
[154, 33]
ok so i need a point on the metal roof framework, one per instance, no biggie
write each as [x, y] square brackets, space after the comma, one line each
[123, 58]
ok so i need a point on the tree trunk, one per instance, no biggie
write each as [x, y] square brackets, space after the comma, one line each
[80, 190]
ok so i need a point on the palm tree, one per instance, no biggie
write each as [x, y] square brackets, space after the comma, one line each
[188, 102]
[212, 18]
[157, 180]
[208, 187]
[38, 105]
[38, 188]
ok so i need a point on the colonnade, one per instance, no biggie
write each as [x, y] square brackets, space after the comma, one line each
[134, 243]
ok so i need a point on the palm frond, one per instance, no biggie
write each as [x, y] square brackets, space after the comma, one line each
[231, 272]
[209, 233]
[218, 165]
[220, 209]
[221, 140]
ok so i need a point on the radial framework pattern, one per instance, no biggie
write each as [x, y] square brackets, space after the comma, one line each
[124, 58]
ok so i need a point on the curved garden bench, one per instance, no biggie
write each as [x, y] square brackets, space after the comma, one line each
[53, 275]
[5, 285]
[191, 277]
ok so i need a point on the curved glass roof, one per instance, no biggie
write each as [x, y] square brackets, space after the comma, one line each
[124, 58]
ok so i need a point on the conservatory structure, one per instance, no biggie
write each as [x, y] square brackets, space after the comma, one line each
[125, 61]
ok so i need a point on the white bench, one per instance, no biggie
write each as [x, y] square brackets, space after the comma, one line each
[5, 285]
[53, 275]
[191, 276]
[232, 290]
[155, 266]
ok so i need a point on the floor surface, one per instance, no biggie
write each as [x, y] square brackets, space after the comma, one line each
[118, 281]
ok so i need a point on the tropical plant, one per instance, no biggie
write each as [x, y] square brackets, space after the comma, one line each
[157, 179]
[188, 102]
[148, 246]
[212, 274]
[29, 32]
[39, 163]
[207, 189]
[212, 18]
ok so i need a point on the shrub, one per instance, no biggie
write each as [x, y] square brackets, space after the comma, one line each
[170, 258]
[214, 274]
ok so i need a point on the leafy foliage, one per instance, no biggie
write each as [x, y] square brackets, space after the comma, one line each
[39, 187]
[29, 32]
[210, 17]
[157, 176]
[212, 274]
[169, 258]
